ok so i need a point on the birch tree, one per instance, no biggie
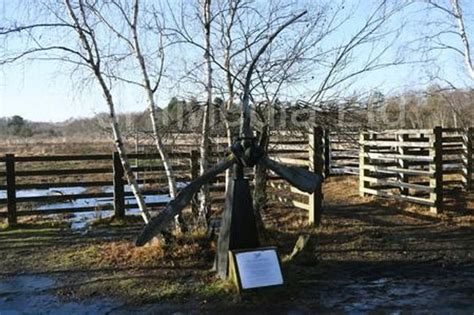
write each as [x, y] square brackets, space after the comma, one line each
[454, 12]
[150, 84]
[92, 58]
[447, 32]
[89, 23]
[310, 52]
[204, 206]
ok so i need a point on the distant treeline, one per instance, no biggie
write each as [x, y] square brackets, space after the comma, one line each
[411, 110]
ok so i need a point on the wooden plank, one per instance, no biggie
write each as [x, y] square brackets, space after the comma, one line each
[445, 130]
[403, 177]
[362, 161]
[396, 170]
[157, 156]
[158, 168]
[327, 154]
[345, 170]
[65, 172]
[92, 157]
[436, 182]
[62, 198]
[58, 158]
[316, 164]
[398, 184]
[60, 185]
[272, 151]
[397, 144]
[119, 190]
[288, 142]
[302, 205]
[451, 139]
[453, 182]
[468, 160]
[291, 161]
[407, 131]
[285, 186]
[299, 192]
[405, 157]
[289, 202]
[11, 189]
[381, 193]
[452, 151]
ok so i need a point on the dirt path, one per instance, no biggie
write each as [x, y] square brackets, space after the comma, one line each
[367, 257]
[379, 259]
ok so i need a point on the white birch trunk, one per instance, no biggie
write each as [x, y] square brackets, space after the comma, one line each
[462, 33]
[94, 63]
[204, 204]
[152, 105]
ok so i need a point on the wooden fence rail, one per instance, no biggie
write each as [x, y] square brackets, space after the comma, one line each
[61, 177]
[418, 166]
[410, 165]
[94, 172]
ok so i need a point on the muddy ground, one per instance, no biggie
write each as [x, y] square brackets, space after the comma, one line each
[367, 256]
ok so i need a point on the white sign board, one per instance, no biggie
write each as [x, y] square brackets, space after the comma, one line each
[258, 268]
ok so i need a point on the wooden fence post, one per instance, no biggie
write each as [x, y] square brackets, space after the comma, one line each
[436, 166]
[402, 163]
[194, 167]
[316, 164]
[118, 182]
[11, 189]
[327, 154]
[363, 149]
[468, 161]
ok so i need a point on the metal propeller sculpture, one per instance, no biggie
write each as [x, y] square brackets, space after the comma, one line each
[238, 229]
[244, 153]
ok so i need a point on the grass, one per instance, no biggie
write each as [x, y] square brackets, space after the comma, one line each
[34, 227]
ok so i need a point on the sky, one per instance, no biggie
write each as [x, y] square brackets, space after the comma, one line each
[41, 90]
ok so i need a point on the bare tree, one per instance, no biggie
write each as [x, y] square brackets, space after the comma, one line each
[150, 83]
[454, 12]
[309, 52]
[86, 36]
[204, 206]
[87, 21]
[247, 56]
[446, 32]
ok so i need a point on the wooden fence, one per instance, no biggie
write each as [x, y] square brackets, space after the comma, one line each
[302, 153]
[101, 176]
[341, 152]
[417, 166]
[88, 172]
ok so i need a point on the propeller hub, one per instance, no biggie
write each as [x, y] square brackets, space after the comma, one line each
[247, 152]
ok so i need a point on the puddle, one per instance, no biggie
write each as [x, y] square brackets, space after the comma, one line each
[24, 284]
[34, 294]
[81, 220]
[398, 296]
[28, 295]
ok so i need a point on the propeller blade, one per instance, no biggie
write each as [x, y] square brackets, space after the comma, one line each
[302, 179]
[158, 223]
